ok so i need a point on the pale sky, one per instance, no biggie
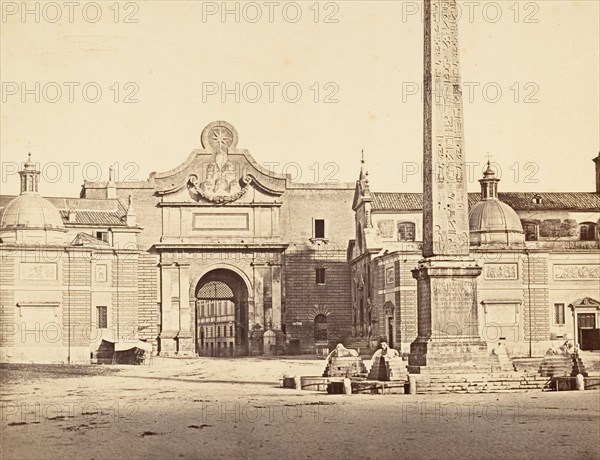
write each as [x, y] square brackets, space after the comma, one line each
[370, 61]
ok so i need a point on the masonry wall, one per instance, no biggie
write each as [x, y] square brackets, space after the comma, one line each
[148, 298]
[304, 203]
[76, 299]
[7, 299]
[394, 283]
[125, 297]
[535, 294]
[305, 299]
[148, 214]
[408, 300]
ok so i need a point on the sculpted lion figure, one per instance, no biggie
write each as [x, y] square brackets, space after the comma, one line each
[341, 351]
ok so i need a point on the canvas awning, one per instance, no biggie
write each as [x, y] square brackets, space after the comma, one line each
[125, 345]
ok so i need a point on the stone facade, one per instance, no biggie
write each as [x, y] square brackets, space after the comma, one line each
[531, 295]
[277, 248]
[132, 261]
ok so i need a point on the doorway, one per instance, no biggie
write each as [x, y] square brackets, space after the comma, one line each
[588, 334]
[221, 314]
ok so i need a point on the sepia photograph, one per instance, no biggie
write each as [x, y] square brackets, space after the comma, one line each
[354, 229]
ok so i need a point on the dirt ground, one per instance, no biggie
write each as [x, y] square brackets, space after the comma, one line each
[218, 408]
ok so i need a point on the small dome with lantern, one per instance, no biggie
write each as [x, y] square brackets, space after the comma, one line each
[30, 218]
[492, 221]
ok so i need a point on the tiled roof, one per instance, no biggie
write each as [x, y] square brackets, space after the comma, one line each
[576, 201]
[93, 212]
[93, 218]
[519, 201]
[397, 201]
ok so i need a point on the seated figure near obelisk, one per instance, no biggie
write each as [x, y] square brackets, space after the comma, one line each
[386, 364]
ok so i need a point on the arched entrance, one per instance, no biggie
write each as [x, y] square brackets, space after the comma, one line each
[321, 329]
[221, 314]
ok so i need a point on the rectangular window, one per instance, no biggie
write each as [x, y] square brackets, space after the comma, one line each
[102, 317]
[587, 232]
[102, 236]
[406, 231]
[559, 313]
[530, 230]
[320, 276]
[319, 228]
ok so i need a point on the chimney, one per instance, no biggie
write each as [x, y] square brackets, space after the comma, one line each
[111, 187]
[72, 211]
[130, 219]
[597, 161]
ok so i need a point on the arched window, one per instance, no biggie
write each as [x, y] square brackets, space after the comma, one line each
[321, 328]
[587, 231]
[406, 231]
[531, 231]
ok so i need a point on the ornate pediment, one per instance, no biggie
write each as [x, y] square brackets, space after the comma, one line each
[217, 187]
[219, 172]
[585, 302]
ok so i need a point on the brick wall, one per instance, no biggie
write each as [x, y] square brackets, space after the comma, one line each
[76, 299]
[408, 298]
[402, 293]
[7, 297]
[536, 297]
[148, 306]
[304, 298]
[148, 214]
[125, 297]
[302, 205]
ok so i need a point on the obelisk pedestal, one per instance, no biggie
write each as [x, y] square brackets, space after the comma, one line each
[448, 333]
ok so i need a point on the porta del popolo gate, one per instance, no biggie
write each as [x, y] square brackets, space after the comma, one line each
[221, 252]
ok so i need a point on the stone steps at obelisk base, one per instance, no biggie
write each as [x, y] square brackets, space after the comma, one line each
[481, 383]
[562, 365]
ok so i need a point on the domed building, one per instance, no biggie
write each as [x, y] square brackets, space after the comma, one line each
[538, 252]
[267, 265]
[30, 218]
[492, 221]
[67, 274]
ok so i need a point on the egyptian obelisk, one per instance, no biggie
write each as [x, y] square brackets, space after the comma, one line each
[448, 336]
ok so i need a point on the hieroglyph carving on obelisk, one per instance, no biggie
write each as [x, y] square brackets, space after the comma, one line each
[445, 203]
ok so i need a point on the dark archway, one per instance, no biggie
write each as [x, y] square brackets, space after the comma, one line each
[221, 314]
[320, 329]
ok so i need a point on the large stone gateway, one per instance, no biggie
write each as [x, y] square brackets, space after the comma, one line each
[238, 247]
[448, 336]
[221, 251]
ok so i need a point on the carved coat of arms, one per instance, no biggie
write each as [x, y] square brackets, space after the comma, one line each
[222, 182]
